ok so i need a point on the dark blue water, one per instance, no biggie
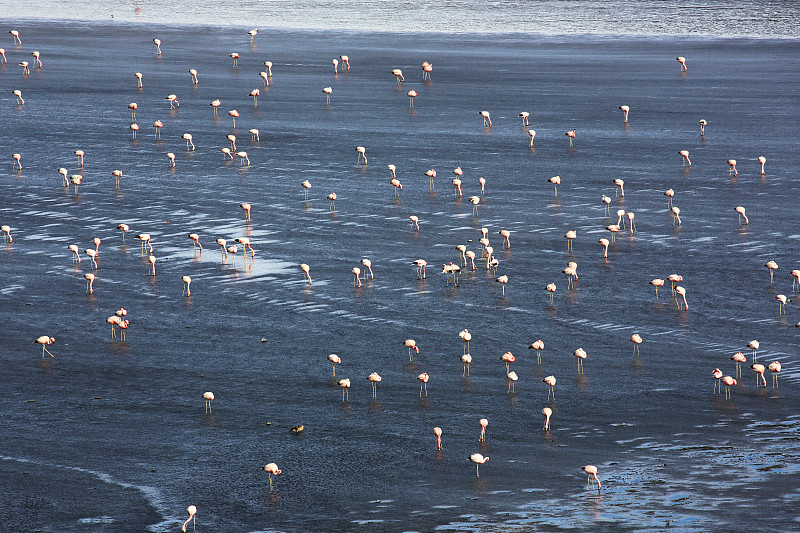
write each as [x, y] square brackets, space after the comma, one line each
[112, 436]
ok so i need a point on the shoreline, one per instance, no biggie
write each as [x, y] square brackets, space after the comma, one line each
[515, 35]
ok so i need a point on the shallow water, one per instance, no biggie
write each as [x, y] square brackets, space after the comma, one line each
[111, 436]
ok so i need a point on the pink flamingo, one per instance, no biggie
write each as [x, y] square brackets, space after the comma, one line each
[762, 160]
[478, 459]
[45, 341]
[680, 291]
[636, 339]
[273, 470]
[682, 61]
[772, 266]
[740, 210]
[732, 170]
[158, 125]
[592, 471]
[356, 276]
[571, 135]
[717, 374]
[438, 432]
[89, 277]
[15, 35]
[703, 124]
[728, 381]
[335, 359]
[187, 282]
[775, 368]
[556, 181]
[7, 235]
[538, 346]
[192, 510]
[483, 423]
[374, 378]
[235, 57]
[411, 344]
[759, 370]
[487, 120]
[738, 358]
[625, 109]
[195, 238]
[551, 381]
[246, 207]
[685, 155]
[657, 282]
[138, 76]
[423, 379]
[547, 412]
[306, 271]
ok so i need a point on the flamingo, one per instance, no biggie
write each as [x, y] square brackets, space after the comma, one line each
[474, 200]
[478, 459]
[25, 70]
[374, 378]
[782, 301]
[7, 238]
[18, 94]
[394, 182]
[482, 182]
[328, 91]
[620, 219]
[188, 138]
[732, 170]
[551, 381]
[759, 370]
[92, 255]
[345, 385]
[717, 374]
[45, 341]
[235, 57]
[591, 470]
[306, 186]
[15, 35]
[636, 340]
[657, 282]
[246, 208]
[193, 75]
[252, 33]
[397, 73]
[685, 155]
[604, 243]
[414, 222]
[457, 187]
[356, 276]
[606, 204]
[117, 175]
[411, 344]
[158, 125]
[682, 61]
[411, 94]
[187, 282]
[680, 291]
[192, 510]
[145, 238]
[138, 76]
[772, 266]
[761, 159]
[171, 158]
[243, 157]
[268, 65]
[580, 353]
[796, 280]
[223, 243]
[728, 381]
[551, 288]
[335, 360]
[556, 181]
[362, 154]
[157, 46]
[332, 198]
[507, 358]
[738, 358]
[420, 264]
[620, 191]
[524, 115]
[571, 135]
[741, 212]
[754, 345]
[703, 124]
[63, 171]
[245, 242]
[512, 381]
[547, 412]
[505, 234]
[75, 255]
[570, 236]
[483, 423]
[531, 134]
[234, 115]
[232, 140]
[438, 432]
[152, 260]
[368, 265]
[214, 105]
[208, 397]
[195, 238]
[423, 379]
[173, 101]
[625, 109]
[76, 180]
[467, 360]
[427, 68]
[487, 120]
[114, 320]
[3, 55]
[345, 62]
[80, 154]
[465, 336]
[305, 268]
[335, 63]
[273, 470]
[669, 193]
[537, 345]
[676, 215]
[134, 128]
[89, 277]
[255, 93]
[775, 368]
[264, 77]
